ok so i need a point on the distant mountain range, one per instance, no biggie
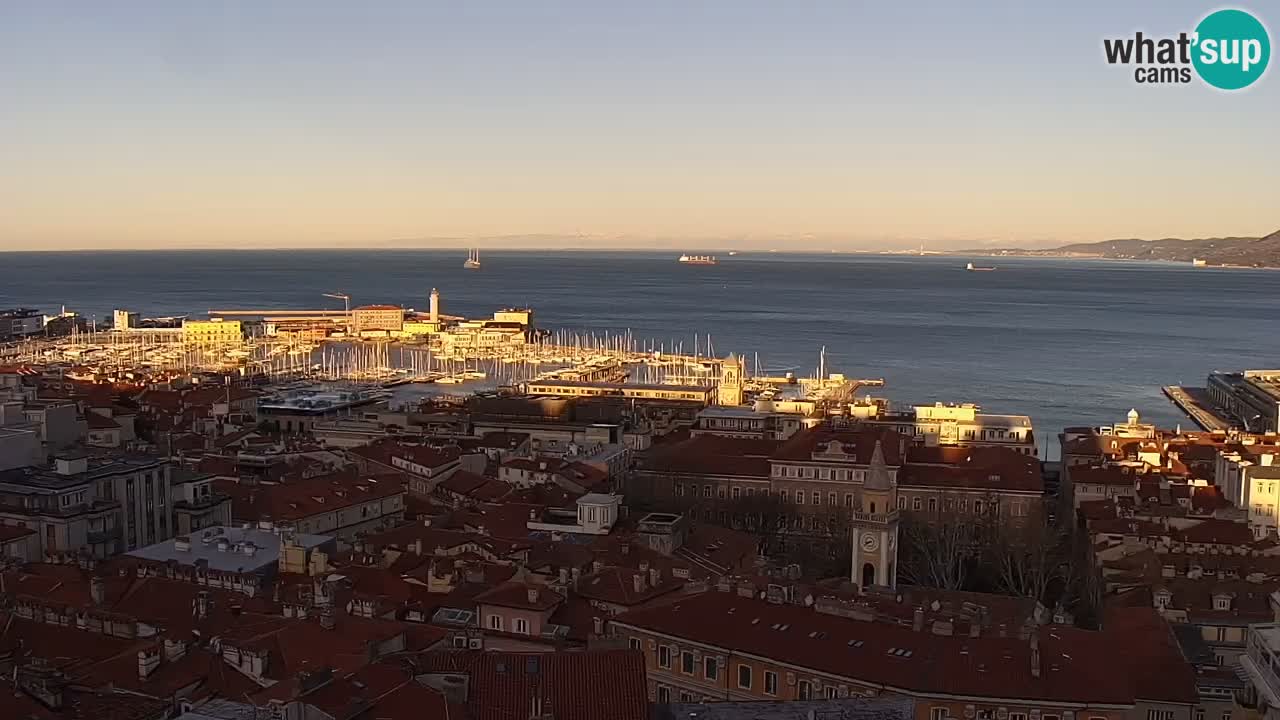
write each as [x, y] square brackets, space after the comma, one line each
[1232, 251]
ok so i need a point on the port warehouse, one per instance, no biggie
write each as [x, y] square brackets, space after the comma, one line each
[632, 391]
[1252, 396]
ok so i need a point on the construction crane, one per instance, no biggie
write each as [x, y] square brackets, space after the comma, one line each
[346, 300]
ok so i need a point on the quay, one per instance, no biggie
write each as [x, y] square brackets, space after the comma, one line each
[1196, 404]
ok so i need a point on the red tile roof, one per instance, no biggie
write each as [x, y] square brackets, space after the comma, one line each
[521, 596]
[297, 499]
[1075, 665]
[1217, 532]
[587, 685]
[858, 443]
[987, 468]
[98, 421]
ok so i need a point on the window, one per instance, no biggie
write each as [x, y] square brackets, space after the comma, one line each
[1222, 602]
[799, 497]
[832, 499]
[495, 622]
[1199, 714]
[1055, 717]
[902, 503]
[783, 494]
[1159, 715]
[817, 498]
[710, 668]
[938, 713]
[830, 692]
[737, 491]
[977, 507]
[848, 500]
[664, 656]
[1017, 716]
[744, 677]
[720, 491]
[915, 503]
[521, 626]
[706, 491]
[664, 694]
[933, 504]
[633, 643]
[770, 682]
[1226, 715]
[685, 697]
[806, 690]
[679, 489]
[686, 662]
[1222, 632]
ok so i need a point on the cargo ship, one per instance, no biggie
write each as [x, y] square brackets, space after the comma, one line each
[698, 259]
[975, 268]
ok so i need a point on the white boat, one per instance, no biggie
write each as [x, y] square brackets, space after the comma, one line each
[698, 259]
[473, 260]
[974, 268]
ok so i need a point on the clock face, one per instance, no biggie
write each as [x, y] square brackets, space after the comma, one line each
[870, 542]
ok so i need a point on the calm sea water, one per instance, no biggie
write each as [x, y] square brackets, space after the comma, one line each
[1065, 341]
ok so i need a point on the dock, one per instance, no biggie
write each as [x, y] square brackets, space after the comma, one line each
[1195, 403]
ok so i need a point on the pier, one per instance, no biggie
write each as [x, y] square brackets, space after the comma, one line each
[1195, 403]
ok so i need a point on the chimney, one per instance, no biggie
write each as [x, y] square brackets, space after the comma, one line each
[596, 566]
[533, 596]
[148, 661]
[202, 604]
[326, 618]
[1035, 654]
[597, 625]
[975, 628]
[654, 576]
[626, 548]
[97, 590]
[574, 575]
[564, 576]
[637, 581]
[174, 649]
[917, 620]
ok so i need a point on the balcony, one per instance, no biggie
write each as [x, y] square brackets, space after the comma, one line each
[102, 537]
[201, 503]
[883, 518]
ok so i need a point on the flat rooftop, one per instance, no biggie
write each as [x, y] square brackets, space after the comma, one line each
[619, 386]
[46, 480]
[248, 550]
[318, 400]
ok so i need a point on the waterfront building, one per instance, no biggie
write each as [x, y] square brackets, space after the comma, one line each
[124, 320]
[20, 323]
[1252, 397]
[376, 320]
[634, 391]
[962, 425]
[214, 331]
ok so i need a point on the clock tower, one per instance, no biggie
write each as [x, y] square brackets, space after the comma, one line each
[729, 391]
[875, 527]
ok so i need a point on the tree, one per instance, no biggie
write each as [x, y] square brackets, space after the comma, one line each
[936, 550]
[1025, 555]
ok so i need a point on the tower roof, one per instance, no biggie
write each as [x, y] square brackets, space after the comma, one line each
[878, 471]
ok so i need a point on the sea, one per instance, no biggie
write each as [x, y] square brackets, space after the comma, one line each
[1066, 341]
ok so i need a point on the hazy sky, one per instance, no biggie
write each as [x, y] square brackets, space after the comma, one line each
[269, 123]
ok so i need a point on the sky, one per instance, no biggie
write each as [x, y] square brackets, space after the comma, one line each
[744, 124]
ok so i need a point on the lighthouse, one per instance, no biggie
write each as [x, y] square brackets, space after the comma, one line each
[435, 305]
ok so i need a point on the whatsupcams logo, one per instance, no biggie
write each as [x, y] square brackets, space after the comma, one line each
[1228, 50]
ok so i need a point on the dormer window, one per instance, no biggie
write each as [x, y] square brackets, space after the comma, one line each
[1163, 599]
[1222, 602]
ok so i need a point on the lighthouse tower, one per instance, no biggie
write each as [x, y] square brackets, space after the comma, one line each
[435, 305]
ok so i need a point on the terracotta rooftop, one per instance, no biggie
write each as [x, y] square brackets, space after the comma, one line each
[521, 596]
[587, 685]
[1074, 665]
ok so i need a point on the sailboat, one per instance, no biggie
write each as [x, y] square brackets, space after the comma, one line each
[473, 260]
